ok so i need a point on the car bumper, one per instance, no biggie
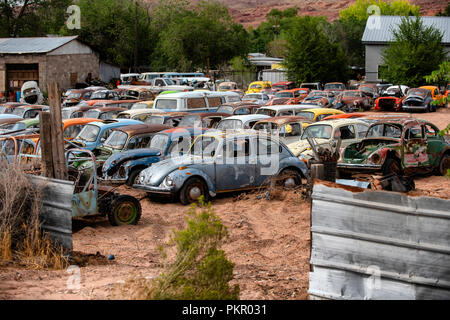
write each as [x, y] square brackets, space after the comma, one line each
[418, 108]
[112, 180]
[359, 167]
[152, 189]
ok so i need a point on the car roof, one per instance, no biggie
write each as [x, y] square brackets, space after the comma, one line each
[122, 122]
[319, 111]
[136, 129]
[75, 121]
[285, 119]
[340, 122]
[283, 107]
[247, 117]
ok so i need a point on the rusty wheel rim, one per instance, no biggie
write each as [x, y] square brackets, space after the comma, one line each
[126, 212]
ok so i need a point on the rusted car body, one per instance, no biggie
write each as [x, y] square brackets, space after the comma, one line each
[353, 100]
[29, 111]
[335, 87]
[319, 97]
[138, 94]
[239, 108]
[436, 95]
[391, 99]
[72, 127]
[227, 86]
[77, 95]
[8, 108]
[353, 115]
[369, 89]
[104, 113]
[202, 119]
[286, 97]
[171, 119]
[282, 86]
[403, 146]
[287, 129]
[21, 149]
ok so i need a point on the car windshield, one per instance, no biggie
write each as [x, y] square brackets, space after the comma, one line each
[317, 94]
[74, 95]
[116, 140]
[351, 94]
[159, 142]
[169, 82]
[13, 126]
[417, 92]
[334, 86]
[132, 93]
[93, 114]
[166, 104]
[89, 133]
[266, 126]
[154, 120]
[321, 131]
[225, 87]
[225, 109]
[284, 95]
[252, 97]
[306, 114]
[204, 146]
[267, 112]
[384, 130]
[72, 131]
[98, 95]
[18, 111]
[278, 87]
[190, 121]
[256, 86]
[139, 106]
[66, 113]
[228, 124]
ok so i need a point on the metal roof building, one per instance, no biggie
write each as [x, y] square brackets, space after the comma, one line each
[378, 33]
[65, 60]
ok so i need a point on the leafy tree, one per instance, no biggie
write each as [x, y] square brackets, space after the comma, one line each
[311, 55]
[194, 39]
[109, 27]
[440, 76]
[352, 22]
[414, 53]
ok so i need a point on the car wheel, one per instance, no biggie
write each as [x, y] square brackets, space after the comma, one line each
[192, 190]
[133, 178]
[392, 166]
[125, 210]
[444, 164]
[289, 178]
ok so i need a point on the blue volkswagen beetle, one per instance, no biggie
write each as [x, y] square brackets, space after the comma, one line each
[220, 161]
[95, 133]
[124, 167]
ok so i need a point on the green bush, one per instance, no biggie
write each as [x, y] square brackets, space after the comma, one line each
[201, 271]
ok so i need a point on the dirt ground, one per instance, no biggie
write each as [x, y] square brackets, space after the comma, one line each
[269, 244]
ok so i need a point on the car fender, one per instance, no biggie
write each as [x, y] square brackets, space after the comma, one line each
[293, 162]
[181, 176]
[144, 163]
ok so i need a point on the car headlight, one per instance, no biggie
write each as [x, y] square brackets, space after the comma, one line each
[141, 179]
[169, 181]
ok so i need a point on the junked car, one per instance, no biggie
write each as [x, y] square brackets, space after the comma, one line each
[222, 162]
[171, 119]
[257, 86]
[288, 129]
[138, 114]
[317, 114]
[282, 110]
[353, 100]
[404, 146]
[28, 111]
[285, 97]
[202, 119]
[391, 99]
[104, 113]
[240, 122]
[31, 125]
[435, 94]
[418, 99]
[139, 94]
[77, 95]
[227, 86]
[322, 98]
[260, 98]
[326, 134]
[335, 87]
[124, 167]
[95, 133]
[121, 139]
[239, 108]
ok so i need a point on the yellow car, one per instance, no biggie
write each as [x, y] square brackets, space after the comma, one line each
[435, 93]
[317, 114]
[258, 86]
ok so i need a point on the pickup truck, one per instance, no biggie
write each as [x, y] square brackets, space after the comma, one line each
[156, 85]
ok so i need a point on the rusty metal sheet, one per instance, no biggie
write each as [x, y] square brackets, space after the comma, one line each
[56, 215]
[378, 245]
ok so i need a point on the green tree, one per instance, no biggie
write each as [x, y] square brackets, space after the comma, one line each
[198, 38]
[311, 55]
[440, 76]
[352, 22]
[415, 52]
[108, 26]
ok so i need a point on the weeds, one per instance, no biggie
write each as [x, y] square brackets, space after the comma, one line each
[21, 238]
[200, 270]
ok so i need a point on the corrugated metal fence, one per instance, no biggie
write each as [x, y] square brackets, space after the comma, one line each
[56, 215]
[378, 245]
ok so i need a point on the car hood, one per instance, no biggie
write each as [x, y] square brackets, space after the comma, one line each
[155, 174]
[116, 160]
[301, 146]
[351, 99]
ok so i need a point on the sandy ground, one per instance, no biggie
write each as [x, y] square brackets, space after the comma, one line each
[269, 244]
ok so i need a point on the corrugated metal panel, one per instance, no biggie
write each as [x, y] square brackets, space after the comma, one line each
[32, 45]
[360, 237]
[56, 215]
[382, 32]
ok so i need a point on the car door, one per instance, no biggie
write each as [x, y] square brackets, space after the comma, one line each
[267, 159]
[291, 132]
[236, 165]
[415, 147]
[348, 134]
[434, 143]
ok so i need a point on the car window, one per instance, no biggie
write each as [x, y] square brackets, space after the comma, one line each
[267, 147]
[138, 142]
[243, 111]
[320, 117]
[237, 148]
[214, 101]
[195, 103]
[78, 114]
[72, 131]
[430, 131]
[291, 130]
[414, 132]
[361, 130]
[286, 113]
[347, 132]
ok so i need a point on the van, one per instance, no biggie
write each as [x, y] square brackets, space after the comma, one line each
[196, 101]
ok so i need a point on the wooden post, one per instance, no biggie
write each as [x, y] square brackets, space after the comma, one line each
[46, 144]
[57, 139]
[317, 171]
